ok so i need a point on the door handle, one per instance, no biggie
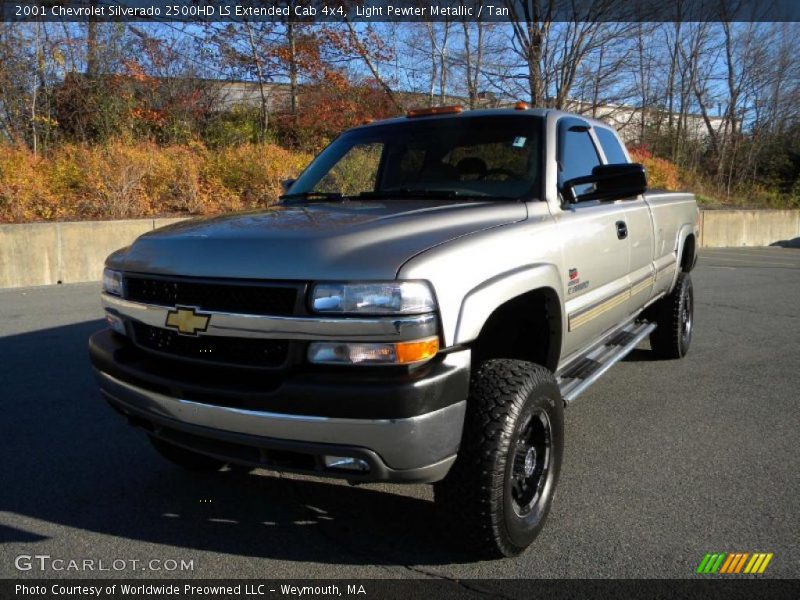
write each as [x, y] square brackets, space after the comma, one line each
[622, 230]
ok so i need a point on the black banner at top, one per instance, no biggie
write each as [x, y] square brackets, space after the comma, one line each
[400, 10]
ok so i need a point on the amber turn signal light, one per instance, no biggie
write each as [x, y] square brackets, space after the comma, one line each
[411, 352]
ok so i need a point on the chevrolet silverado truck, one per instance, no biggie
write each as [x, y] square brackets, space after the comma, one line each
[419, 307]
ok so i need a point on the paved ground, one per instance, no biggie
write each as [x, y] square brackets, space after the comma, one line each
[665, 460]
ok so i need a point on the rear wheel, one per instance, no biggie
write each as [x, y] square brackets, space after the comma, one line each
[499, 491]
[187, 459]
[674, 317]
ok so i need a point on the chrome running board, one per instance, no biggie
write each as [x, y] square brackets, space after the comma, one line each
[576, 379]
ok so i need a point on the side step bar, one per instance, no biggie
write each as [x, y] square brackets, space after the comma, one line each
[578, 378]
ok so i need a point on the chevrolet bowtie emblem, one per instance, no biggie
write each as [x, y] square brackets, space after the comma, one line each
[187, 320]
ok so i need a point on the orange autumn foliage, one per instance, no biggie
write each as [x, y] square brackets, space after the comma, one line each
[123, 180]
[661, 173]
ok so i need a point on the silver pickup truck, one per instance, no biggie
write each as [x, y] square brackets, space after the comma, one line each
[421, 305]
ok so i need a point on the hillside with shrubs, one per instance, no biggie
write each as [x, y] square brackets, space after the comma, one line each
[120, 179]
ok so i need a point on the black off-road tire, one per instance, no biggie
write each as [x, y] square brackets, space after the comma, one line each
[484, 501]
[191, 461]
[674, 317]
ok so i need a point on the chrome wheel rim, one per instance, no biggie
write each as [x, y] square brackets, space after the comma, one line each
[686, 318]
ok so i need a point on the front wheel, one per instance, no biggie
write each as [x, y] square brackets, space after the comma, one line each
[498, 494]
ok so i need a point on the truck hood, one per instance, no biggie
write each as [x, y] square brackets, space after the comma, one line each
[341, 240]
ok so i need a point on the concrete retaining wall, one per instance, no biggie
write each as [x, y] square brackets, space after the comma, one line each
[47, 253]
[734, 228]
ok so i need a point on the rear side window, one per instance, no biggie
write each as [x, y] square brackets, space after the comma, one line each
[611, 146]
[578, 157]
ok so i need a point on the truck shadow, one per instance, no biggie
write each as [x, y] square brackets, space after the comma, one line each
[793, 243]
[640, 355]
[67, 459]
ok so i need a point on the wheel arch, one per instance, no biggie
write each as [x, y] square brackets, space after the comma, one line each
[687, 257]
[686, 240]
[516, 315]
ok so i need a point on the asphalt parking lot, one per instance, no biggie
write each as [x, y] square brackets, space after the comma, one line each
[665, 461]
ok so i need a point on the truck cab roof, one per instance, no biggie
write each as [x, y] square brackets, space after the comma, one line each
[484, 112]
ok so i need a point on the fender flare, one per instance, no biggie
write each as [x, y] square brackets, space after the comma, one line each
[684, 232]
[481, 301]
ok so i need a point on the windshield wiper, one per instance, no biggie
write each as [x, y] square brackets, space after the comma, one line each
[424, 193]
[414, 193]
[421, 193]
[313, 196]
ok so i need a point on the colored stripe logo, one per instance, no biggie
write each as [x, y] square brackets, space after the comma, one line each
[734, 563]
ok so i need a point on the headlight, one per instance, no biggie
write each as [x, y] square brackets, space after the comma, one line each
[357, 353]
[385, 298]
[112, 282]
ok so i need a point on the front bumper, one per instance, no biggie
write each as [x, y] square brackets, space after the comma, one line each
[406, 429]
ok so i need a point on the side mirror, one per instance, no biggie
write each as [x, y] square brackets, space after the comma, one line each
[286, 184]
[611, 182]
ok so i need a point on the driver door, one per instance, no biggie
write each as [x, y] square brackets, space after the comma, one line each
[595, 246]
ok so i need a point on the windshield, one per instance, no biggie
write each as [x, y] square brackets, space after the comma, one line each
[491, 157]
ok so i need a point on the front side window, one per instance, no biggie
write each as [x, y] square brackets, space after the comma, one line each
[497, 157]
